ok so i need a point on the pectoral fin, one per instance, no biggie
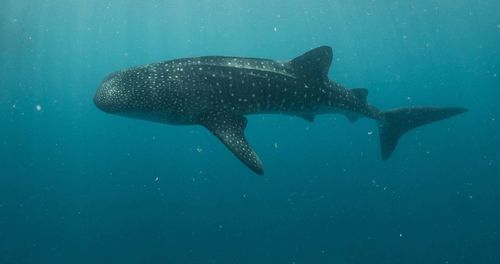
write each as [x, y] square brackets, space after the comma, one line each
[230, 129]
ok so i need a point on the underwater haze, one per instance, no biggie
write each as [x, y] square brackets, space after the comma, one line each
[78, 185]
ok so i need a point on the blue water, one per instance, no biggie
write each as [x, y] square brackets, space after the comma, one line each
[81, 186]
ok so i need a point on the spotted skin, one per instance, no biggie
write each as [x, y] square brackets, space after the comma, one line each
[217, 92]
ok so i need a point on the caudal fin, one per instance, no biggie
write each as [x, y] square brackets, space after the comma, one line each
[396, 122]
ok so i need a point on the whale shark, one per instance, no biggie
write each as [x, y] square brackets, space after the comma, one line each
[217, 92]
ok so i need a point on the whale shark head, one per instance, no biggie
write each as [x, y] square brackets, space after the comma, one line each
[142, 93]
[112, 96]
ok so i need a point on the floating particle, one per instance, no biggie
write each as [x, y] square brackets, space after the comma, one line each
[199, 149]
[275, 145]
[38, 108]
[275, 29]
[157, 179]
[370, 133]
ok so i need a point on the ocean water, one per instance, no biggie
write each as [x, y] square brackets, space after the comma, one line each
[80, 186]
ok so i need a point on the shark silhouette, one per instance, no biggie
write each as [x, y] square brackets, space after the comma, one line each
[218, 92]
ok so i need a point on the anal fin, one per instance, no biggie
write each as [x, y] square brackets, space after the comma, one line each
[308, 117]
[230, 129]
[353, 117]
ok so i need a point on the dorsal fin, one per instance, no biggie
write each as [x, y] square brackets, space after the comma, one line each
[314, 63]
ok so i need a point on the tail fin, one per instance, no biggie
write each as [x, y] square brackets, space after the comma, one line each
[396, 122]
